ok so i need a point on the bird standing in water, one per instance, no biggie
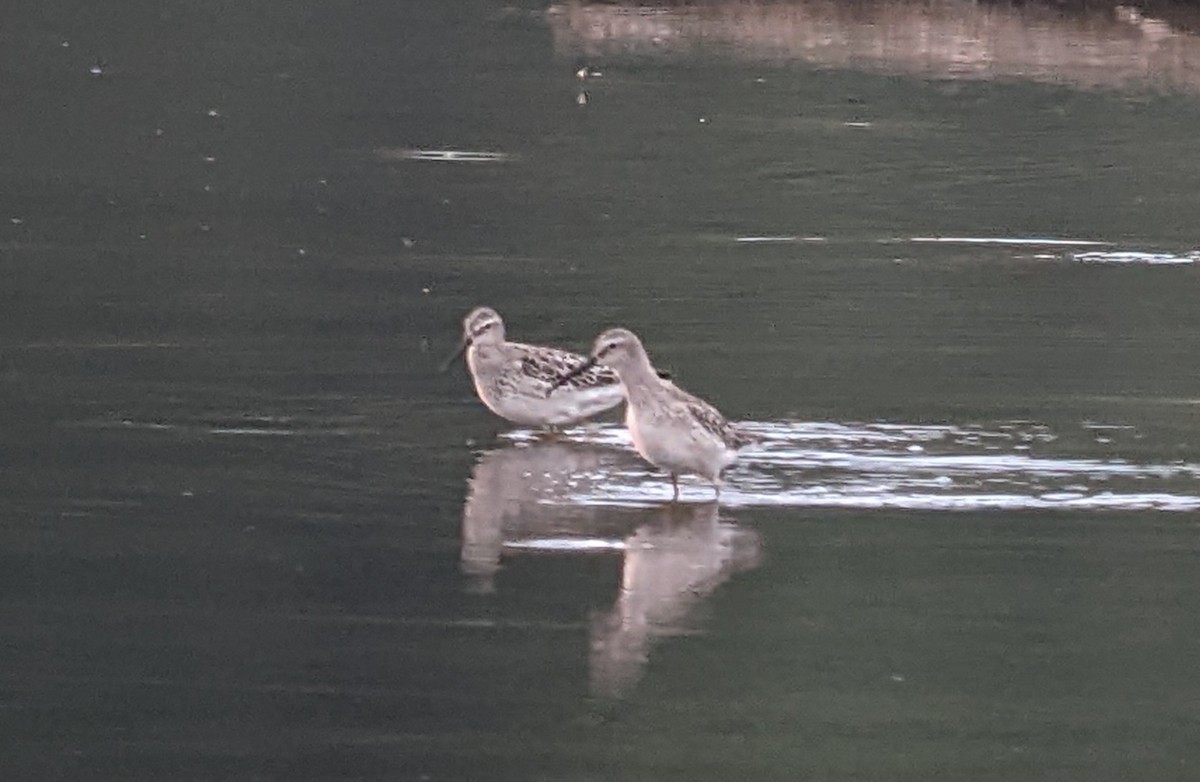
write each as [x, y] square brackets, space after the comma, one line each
[519, 382]
[670, 428]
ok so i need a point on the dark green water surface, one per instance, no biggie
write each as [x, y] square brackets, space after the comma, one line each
[247, 531]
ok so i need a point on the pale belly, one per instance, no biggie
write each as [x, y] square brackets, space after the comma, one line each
[560, 409]
[669, 443]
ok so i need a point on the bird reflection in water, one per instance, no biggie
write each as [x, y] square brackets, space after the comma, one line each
[672, 563]
[525, 491]
[528, 497]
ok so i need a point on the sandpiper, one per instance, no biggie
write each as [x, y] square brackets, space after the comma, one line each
[670, 428]
[518, 381]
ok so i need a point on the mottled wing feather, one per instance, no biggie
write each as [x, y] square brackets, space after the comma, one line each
[547, 365]
[712, 421]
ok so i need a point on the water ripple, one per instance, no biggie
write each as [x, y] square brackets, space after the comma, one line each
[443, 155]
[1008, 465]
[1138, 257]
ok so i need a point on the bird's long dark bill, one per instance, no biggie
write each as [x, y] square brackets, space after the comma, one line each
[574, 373]
[466, 342]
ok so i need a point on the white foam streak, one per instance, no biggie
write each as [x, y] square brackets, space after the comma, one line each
[442, 155]
[1137, 257]
[1015, 501]
[1008, 465]
[566, 545]
[901, 464]
[1036, 241]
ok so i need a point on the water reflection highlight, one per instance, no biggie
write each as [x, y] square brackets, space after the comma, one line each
[522, 498]
[671, 564]
[997, 465]
[521, 495]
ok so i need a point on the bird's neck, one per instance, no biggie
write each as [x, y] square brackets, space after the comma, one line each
[639, 377]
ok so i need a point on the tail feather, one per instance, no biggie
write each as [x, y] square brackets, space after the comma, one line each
[743, 439]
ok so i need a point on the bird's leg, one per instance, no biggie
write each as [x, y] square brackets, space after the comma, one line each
[675, 485]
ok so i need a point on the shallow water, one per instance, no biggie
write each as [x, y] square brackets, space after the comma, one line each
[1013, 465]
[247, 531]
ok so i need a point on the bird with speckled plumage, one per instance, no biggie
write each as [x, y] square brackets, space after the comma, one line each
[671, 429]
[518, 381]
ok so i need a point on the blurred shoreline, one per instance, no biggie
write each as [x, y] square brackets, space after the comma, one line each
[1081, 44]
